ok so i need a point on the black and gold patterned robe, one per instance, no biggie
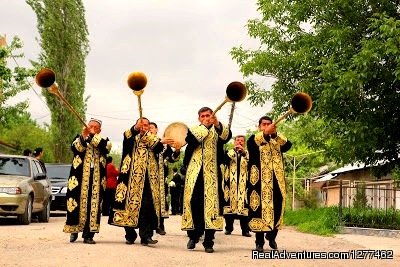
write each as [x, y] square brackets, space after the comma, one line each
[86, 188]
[203, 156]
[138, 163]
[235, 182]
[166, 156]
[265, 165]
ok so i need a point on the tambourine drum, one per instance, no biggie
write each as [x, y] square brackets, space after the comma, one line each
[177, 131]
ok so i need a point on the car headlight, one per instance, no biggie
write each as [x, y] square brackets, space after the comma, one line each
[63, 190]
[11, 190]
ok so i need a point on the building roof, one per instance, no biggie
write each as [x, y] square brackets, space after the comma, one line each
[347, 168]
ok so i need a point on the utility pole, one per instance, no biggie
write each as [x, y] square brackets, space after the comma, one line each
[294, 166]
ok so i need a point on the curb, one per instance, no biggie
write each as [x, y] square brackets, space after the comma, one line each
[371, 231]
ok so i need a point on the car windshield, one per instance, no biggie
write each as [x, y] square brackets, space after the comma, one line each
[58, 172]
[14, 166]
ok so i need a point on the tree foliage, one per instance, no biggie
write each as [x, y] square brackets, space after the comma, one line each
[13, 80]
[26, 133]
[63, 39]
[346, 55]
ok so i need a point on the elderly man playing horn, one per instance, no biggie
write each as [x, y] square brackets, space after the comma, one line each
[137, 197]
[167, 155]
[202, 212]
[86, 182]
[266, 188]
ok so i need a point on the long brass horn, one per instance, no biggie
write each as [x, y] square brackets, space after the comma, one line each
[46, 78]
[301, 103]
[137, 81]
[235, 92]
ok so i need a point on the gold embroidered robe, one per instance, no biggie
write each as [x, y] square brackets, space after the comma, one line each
[235, 182]
[265, 164]
[138, 163]
[203, 156]
[81, 188]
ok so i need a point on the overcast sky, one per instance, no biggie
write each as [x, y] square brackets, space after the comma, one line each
[181, 45]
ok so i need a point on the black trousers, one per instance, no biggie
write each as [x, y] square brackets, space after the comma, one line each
[175, 199]
[277, 200]
[148, 220]
[230, 218]
[197, 203]
[109, 194]
[162, 226]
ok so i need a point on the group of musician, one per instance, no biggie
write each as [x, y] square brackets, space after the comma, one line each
[246, 182]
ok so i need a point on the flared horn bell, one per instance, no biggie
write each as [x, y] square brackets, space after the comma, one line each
[236, 91]
[45, 78]
[137, 81]
[301, 102]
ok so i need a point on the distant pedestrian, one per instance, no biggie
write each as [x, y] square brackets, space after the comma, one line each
[112, 176]
[175, 191]
[38, 154]
[27, 152]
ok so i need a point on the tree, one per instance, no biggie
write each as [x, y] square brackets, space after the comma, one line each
[63, 39]
[12, 81]
[26, 133]
[346, 55]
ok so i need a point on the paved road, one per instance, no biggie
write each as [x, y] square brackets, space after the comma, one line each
[44, 244]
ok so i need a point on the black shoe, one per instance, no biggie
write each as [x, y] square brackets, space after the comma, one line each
[148, 241]
[129, 241]
[273, 244]
[73, 237]
[228, 232]
[209, 250]
[160, 231]
[259, 248]
[246, 234]
[89, 241]
[191, 244]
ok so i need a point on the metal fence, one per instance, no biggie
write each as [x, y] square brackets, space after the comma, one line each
[374, 205]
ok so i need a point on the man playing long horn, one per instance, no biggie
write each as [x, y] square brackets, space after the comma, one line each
[137, 197]
[86, 183]
[202, 212]
[266, 188]
[234, 186]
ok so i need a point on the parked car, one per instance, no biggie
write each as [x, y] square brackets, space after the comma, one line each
[25, 189]
[58, 175]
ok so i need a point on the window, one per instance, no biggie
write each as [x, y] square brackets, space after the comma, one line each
[14, 166]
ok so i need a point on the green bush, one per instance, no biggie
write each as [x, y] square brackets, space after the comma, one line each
[372, 218]
[311, 199]
[320, 221]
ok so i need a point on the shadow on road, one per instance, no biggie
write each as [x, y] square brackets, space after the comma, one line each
[12, 220]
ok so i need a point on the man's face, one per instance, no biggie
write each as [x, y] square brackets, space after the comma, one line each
[95, 126]
[153, 129]
[145, 126]
[264, 124]
[239, 141]
[204, 118]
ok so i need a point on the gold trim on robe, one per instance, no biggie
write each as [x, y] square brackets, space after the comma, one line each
[204, 156]
[92, 154]
[270, 162]
[237, 183]
[141, 161]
